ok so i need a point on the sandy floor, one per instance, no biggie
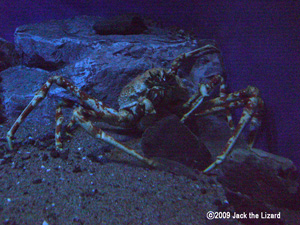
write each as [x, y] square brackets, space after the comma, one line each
[95, 185]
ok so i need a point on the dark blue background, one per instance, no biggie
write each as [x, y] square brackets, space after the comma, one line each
[259, 40]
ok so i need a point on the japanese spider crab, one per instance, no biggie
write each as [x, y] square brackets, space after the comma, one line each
[155, 88]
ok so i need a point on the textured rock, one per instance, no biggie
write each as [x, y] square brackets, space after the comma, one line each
[60, 42]
[253, 177]
[214, 132]
[55, 43]
[8, 55]
[246, 204]
[100, 65]
[204, 67]
[263, 176]
[19, 85]
[171, 139]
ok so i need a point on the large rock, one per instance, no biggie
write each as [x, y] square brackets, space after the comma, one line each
[53, 44]
[59, 42]
[100, 65]
[251, 177]
[263, 176]
[19, 86]
[214, 132]
[8, 55]
[169, 138]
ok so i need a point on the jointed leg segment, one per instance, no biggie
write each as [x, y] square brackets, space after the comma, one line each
[98, 109]
[195, 53]
[58, 121]
[204, 89]
[102, 136]
[253, 105]
[247, 98]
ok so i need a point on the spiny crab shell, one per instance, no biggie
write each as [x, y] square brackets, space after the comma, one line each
[156, 84]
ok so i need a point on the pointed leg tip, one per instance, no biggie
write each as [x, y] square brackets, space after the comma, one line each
[208, 169]
[9, 142]
[213, 165]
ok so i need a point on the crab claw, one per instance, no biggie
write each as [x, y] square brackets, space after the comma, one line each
[203, 90]
[149, 108]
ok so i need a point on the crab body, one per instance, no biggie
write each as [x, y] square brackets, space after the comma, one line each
[157, 85]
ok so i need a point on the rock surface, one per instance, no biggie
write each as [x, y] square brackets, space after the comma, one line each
[254, 180]
[263, 176]
[99, 65]
[19, 86]
[169, 138]
[8, 55]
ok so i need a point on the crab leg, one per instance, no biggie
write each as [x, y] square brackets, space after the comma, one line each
[255, 121]
[104, 112]
[204, 90]
[228, 148]
[58, 120]
[102, 136]
[253, 106]
[195, 53]
[254, 125]
[73, 121]
[229, 119]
